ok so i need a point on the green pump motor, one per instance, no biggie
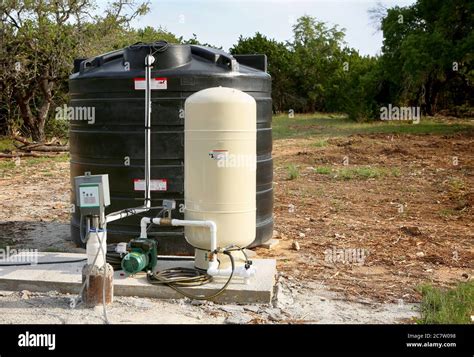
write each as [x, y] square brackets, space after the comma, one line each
[142, 256]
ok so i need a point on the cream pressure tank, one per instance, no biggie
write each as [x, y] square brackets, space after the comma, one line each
[220, 168]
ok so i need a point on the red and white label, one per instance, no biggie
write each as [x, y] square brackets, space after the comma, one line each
[155, 185]
[155, 83]
[219, 154]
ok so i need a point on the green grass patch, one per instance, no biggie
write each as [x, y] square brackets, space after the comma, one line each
[448, 212]
[331, 125]
[323, 170]
[447, 306]
[363, 172]
[6, 144]
[395, 171]
[39, 160]
[337, 205]
[293, 172]
[359, 172]
[6, 164]
[9, 164]
[456, 185]
[366, 172]
[321, 143]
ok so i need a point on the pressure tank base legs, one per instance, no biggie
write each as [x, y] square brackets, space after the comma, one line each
[201, 259]
[92, 294]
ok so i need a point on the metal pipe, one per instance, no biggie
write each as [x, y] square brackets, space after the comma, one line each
[124, 214]
[149, 60]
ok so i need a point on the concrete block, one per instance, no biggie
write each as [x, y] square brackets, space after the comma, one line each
[66, 278]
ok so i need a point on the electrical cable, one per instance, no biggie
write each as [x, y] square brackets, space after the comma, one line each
[183, 277]
[81, 229]
[44, 263]
[164, 45]
[234, 248]
[114, 259]
[186, 277]
[158, 46]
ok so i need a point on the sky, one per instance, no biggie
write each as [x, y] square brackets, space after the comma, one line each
[220, 23]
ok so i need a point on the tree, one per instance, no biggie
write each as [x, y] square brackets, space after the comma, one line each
[40, 39]
[194, 41]
[427, 53]
[361, 91]
[278, 58]
[318, 61]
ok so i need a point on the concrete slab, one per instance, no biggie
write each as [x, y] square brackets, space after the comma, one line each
[66, 278]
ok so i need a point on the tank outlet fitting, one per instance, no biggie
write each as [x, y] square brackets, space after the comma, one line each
[240, 271]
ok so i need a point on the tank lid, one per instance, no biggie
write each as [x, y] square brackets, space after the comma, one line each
[166, 55]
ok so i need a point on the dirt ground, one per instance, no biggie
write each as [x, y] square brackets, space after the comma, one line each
[414, 222]
[411, 223]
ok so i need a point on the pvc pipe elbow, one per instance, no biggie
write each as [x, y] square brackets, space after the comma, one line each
[213, 268]
[242, 272]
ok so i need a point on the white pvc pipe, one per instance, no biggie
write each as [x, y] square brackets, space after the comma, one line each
[149, 60]
[179, 222]
[213, 269]
[97, 238]
[241, 271]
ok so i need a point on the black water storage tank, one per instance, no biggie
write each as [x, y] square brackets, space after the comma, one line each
[113, 142]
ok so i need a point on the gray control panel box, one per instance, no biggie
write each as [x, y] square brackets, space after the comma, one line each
[92, 194]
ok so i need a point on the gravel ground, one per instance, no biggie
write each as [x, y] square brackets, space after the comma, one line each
[295, 302]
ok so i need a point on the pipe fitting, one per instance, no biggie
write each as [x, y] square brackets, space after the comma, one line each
[165, 221]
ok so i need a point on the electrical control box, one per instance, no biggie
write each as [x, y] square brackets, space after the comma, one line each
[92, 194]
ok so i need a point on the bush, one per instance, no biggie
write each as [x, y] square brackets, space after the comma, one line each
[56, 128]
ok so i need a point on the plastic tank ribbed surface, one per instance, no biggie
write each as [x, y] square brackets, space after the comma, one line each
[107, 83]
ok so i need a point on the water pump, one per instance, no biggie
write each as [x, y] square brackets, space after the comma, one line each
[141, 257]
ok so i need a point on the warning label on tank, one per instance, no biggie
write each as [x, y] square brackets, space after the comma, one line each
[155, 83]
[155, 185]
[219, 154]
